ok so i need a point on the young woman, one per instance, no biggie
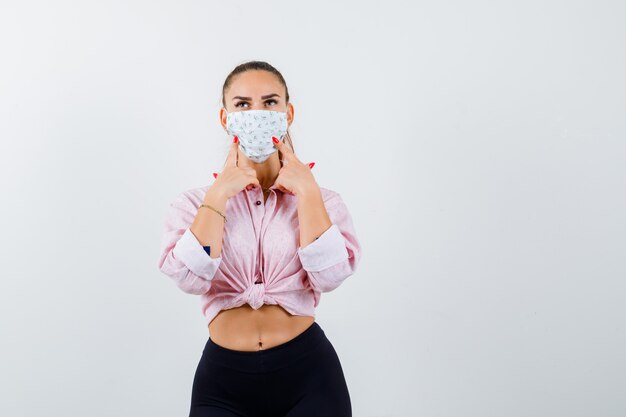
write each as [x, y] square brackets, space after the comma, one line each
[260, 245]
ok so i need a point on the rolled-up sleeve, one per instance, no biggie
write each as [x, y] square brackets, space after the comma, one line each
[182, 257]
[335, 254]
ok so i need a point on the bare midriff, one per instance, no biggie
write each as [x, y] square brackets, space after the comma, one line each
[246, 329]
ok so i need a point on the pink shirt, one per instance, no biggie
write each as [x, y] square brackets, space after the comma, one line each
[261, 244]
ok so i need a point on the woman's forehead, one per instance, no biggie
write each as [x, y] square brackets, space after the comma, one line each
[255, 84]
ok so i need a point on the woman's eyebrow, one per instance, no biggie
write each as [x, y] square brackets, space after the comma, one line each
[250, 98]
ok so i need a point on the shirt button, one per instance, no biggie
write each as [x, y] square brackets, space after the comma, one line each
[258, 203]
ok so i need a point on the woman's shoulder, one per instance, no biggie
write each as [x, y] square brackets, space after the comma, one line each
[328, 194]
[332, 199]
[191, 196]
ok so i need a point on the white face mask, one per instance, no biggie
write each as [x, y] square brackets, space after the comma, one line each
[255, 129]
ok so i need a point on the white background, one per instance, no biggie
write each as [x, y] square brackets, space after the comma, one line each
[480, 147]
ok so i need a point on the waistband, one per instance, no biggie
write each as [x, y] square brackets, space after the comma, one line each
[267, 359]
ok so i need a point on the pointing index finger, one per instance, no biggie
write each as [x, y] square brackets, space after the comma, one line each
[243, 162]
[231, 158]
[284, 149]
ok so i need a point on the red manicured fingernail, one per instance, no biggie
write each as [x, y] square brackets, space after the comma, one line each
[215, 174]
[311, 164]
[235, 139]
[274, 139]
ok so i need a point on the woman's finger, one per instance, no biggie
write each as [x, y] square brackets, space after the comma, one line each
[284, 149]
[243, 162]
[231, 158]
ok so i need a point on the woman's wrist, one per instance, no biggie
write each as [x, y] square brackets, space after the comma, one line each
[215, 197]
[307, 189]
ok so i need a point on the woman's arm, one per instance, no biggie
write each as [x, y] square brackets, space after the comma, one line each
[329, 249]
[312, 214]
[208, 226]
[182, 256]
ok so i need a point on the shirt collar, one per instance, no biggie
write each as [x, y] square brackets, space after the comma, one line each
[273, 187]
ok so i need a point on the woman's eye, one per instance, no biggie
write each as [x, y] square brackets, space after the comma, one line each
[245, 102]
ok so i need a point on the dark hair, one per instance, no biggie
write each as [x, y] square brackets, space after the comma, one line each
[263, 66]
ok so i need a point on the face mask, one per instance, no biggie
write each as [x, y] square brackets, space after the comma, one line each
[255, 129]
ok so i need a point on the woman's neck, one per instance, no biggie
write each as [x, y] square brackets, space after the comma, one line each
[267, 171]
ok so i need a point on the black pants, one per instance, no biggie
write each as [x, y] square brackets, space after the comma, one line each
[299, 378]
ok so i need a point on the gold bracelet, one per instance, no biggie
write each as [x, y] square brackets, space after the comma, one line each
[214, 209]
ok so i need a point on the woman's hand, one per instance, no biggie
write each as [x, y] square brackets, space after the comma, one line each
[237, 174]
[294, 177]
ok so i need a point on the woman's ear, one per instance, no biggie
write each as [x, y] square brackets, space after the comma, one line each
[290, 111]
[222, 117]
